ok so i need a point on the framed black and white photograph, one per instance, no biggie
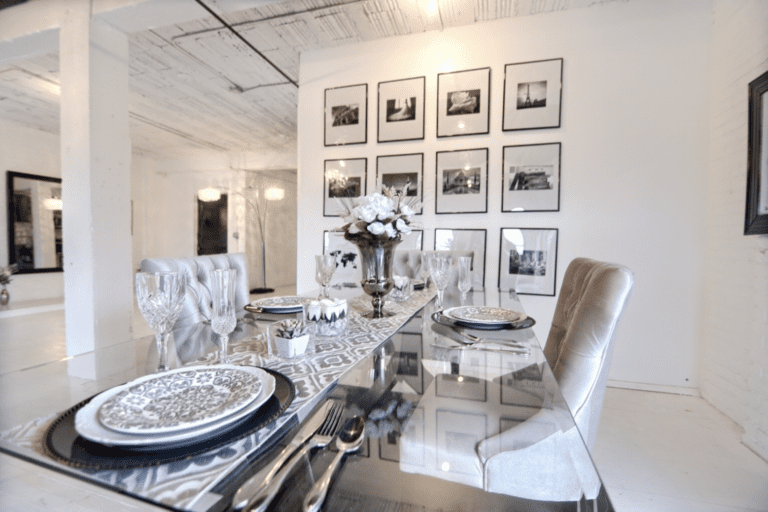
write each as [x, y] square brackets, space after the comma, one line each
[346, 178]
[346, 115]
[403, 172]
[413, 241]
[756, 218]
[465, 240]
[532, 95]
[463, 102]
[401, 109]
[348, 271]
[531, 178]
[461, 181]
[528, 260]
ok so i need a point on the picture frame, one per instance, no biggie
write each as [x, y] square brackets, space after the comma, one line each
[408, 366]
[346, 115]
[461, 181]
[530, 178]
[461, 387]
[533, 93]
[756, 216]
[343, 178]
[465, 240]
[401, 170]
[528, 260]
[413, 241]
[401, 109]
[463, 102]
[348, 272]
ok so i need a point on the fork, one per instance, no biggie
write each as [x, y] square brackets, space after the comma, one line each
[496, 341]
[261, 500]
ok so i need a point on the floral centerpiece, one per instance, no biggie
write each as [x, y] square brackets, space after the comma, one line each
[375, 223]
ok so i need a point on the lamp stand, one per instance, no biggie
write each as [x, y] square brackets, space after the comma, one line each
[263, 288]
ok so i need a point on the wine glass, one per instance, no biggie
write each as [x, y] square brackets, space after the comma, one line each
[160, 296]
[325, 266]
[223, 307]
[440, 271]
[465, 276]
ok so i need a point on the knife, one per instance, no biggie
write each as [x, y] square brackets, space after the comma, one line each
[468, 342]
[256, 483]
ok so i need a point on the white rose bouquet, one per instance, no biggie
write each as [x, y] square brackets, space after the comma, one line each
[378, 216]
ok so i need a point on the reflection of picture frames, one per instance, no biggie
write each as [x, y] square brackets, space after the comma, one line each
[344, 178]
[756, 218]
[457, 436]
[401, 109]
[531, 178]
[408, 361]
[532, 95]
[346, 115]
[528, 260]
[463, 102]
[348, 271]
[461, 181]
[523, 387]
[462, 387]
[473, 240]
[403, 172]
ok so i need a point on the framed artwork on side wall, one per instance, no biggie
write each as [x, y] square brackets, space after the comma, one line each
[344, 179]
[402, 172]
[465, 240]
[532, 95]
[463, 102]
[346, 115]
[528, 260]
[348, 272]
[756, 218]
[461, 181]
[401, 110]
[531, 178]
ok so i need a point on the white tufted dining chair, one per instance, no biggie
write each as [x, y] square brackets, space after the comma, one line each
[197, 299]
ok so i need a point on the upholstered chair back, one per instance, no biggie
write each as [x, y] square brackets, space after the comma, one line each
[592, 299]
[197, 300]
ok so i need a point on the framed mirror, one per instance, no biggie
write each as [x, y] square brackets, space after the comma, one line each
[34, 223]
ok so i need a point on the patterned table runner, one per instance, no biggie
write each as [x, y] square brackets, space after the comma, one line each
[186, 484]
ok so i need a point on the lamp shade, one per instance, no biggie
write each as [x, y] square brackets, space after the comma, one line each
[208, 194]
[274, 194]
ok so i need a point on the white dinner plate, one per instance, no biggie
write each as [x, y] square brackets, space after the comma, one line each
[88, 426]
[484, 315]
[289, 304]
[179, 399]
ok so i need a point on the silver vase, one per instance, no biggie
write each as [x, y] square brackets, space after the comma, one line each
[376, 264]
[5, 297]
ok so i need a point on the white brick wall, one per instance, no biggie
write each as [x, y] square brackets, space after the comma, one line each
[734, 364]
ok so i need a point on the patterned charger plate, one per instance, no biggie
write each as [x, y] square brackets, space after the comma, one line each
[484, 315]
[290, 304]
[179, 399]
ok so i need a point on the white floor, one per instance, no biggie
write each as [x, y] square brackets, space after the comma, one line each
[655, 452]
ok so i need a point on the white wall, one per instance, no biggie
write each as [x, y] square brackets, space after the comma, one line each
[734, 364]
[31, 151]
[634, 153]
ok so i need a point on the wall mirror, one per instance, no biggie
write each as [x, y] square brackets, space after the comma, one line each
[34, 223]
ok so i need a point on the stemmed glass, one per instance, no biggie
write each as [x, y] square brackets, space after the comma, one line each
[465, 277]
[440, 271]
[160, 296]
[325, 266]
[424, 269]
[223, 307]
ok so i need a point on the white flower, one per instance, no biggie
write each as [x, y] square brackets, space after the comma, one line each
[402, 226]
[406, 210]
[376, 228]
[390, 229]
[365, 212]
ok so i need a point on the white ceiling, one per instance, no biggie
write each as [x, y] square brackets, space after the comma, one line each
[195, 85]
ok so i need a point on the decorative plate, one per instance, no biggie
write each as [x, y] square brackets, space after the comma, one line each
[88, 425]
[179, 399]
[290, 304]
[484, 315]
[525, 323]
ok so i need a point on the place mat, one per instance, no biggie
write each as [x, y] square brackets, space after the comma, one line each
[440, 318]
[65, 445]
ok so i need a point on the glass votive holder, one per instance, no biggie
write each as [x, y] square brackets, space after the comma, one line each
[402, 290]
[330, 315]
[291, 339]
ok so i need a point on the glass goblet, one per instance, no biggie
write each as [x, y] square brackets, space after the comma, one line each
[160, 296]
[440, 271]
[223, 318]
[465, 277]
[325, 266]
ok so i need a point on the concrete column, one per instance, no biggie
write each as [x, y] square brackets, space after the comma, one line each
[95, 160]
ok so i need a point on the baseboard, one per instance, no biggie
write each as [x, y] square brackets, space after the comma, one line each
[656, 388]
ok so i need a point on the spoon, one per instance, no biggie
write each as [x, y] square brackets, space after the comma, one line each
[350, 439]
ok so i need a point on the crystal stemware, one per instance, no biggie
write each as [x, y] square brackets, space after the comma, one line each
[160, 296]
[465, 276]
[440, 271]
[325, 266]
[223, 318]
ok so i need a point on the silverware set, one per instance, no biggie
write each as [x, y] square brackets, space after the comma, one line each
[318, 432]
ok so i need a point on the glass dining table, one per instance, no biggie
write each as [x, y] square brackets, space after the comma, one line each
[451, 423]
